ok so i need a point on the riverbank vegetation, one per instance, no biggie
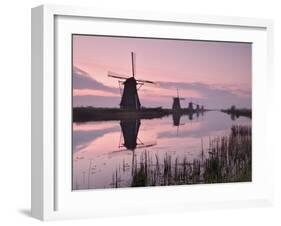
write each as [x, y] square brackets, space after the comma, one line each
[227, 159]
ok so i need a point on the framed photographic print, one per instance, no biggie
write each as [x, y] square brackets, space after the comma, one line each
[137, 112]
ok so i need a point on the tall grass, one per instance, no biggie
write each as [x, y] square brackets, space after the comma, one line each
[227, 159]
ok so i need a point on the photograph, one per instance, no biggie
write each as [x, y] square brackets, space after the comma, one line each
[152, 111]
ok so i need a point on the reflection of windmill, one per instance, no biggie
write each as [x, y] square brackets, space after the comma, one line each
[192, 108]
[176, 102]
[190, 116]
[176, 120]
[130, 99]
[130, 129]
[202, 109]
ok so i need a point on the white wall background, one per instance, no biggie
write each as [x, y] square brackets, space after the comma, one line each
[15, 111]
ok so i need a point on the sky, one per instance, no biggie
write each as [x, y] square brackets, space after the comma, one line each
[214, 74]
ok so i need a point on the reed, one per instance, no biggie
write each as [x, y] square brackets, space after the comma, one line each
[229, 159]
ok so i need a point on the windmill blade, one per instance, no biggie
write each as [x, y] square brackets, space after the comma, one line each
[147, 145]
[133, 55]
[115, 75]
[146, 81]
[119, 151]
[139, 146]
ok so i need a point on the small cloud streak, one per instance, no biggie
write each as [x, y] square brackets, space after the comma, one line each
[82, 80]
[92, 92]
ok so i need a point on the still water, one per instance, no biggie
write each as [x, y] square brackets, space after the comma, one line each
[103, 149]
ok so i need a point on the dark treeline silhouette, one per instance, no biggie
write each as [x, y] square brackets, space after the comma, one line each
[84, 114]
[237, 112]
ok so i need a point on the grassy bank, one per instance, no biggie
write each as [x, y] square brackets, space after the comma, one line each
[83, 114]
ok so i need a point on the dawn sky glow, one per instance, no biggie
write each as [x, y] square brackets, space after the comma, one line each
[216, 74]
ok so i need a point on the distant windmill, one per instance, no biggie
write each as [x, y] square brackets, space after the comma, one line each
[130, 99]
[202, 109]
[190, 106]
[197, 108]
[176, 102]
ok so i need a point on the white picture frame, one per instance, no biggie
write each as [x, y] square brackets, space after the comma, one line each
[52, 197]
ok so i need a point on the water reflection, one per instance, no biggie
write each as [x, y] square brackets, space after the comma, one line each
[105, 153]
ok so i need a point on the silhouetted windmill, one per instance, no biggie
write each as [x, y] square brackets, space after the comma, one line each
[130, 99]
[176, 102]
[202, 108]
[191, 106]
[197, 109]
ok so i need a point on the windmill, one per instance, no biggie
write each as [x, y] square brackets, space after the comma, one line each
[130, 98]
[194, 107]
[202, 108]
[197, 108]
[190, 107]
[176, 102]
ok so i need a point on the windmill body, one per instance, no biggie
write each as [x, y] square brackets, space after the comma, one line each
[130, 98]
[197, 108]
[176, 102]
[190, 107]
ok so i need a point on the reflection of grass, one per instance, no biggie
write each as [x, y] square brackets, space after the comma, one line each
[229, 160]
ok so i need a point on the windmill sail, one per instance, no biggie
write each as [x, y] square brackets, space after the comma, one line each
[133, 63]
